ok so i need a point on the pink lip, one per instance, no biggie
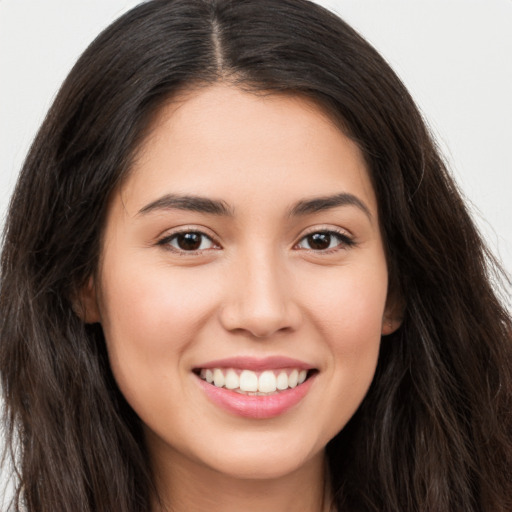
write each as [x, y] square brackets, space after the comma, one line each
[256, 407]
[257, 364]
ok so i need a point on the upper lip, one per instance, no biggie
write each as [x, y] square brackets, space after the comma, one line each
[256, 363]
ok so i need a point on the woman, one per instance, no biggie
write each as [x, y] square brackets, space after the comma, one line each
[237, 276]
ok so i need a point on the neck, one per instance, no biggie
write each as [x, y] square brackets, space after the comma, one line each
[185, 486]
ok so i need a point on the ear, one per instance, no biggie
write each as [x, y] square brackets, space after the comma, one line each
[85, 303]
[393, 315]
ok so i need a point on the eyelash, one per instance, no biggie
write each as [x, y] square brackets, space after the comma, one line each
[344, 242]
[166, 242]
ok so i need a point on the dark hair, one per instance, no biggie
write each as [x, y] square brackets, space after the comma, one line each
[434, 432]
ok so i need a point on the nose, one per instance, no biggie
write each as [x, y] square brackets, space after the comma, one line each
[259, 298]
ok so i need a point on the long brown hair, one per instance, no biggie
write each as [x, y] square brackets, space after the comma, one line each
[434, 432]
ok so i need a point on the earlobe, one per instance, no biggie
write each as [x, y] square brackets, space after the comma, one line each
[393, 317]
[390, 325]
[85, 304]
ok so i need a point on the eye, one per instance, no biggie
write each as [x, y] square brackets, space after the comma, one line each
[189, 241]
[324, 241]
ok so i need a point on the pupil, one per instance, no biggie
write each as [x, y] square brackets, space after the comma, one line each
[319, 241]
[189, 241]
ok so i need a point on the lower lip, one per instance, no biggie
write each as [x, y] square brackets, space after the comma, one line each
[256, 407]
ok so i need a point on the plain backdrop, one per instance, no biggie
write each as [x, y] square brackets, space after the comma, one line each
[455, 56]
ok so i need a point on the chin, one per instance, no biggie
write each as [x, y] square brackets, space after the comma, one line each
[256, 468]
[263, 458]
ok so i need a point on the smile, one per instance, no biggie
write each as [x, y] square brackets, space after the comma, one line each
[254, 383]
[256, 388]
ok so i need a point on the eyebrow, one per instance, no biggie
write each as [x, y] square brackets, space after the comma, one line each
[318, 204]
[217, 207]
[188, 203]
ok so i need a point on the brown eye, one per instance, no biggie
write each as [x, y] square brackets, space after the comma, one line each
[324, 240]
[319, 241]
[190, 241]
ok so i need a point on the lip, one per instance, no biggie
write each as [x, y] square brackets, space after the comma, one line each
[257, 364]
[253, 406]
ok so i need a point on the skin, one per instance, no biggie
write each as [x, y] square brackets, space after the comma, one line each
[256, 287]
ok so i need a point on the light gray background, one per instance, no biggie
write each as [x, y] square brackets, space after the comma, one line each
[455, 56]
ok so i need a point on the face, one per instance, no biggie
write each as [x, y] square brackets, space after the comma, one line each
[243, 282]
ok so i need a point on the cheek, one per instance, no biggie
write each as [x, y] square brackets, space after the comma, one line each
[348, 306]
[348, 312]
[149, 319]
[152, 305]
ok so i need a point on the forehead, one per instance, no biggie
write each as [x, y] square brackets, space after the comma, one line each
[217, 139]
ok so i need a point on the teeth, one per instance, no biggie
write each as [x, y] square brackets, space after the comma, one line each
[232, 380]
[247, 381]
[267, 382]
[218, 378]
[293, 379]
[282, 381]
